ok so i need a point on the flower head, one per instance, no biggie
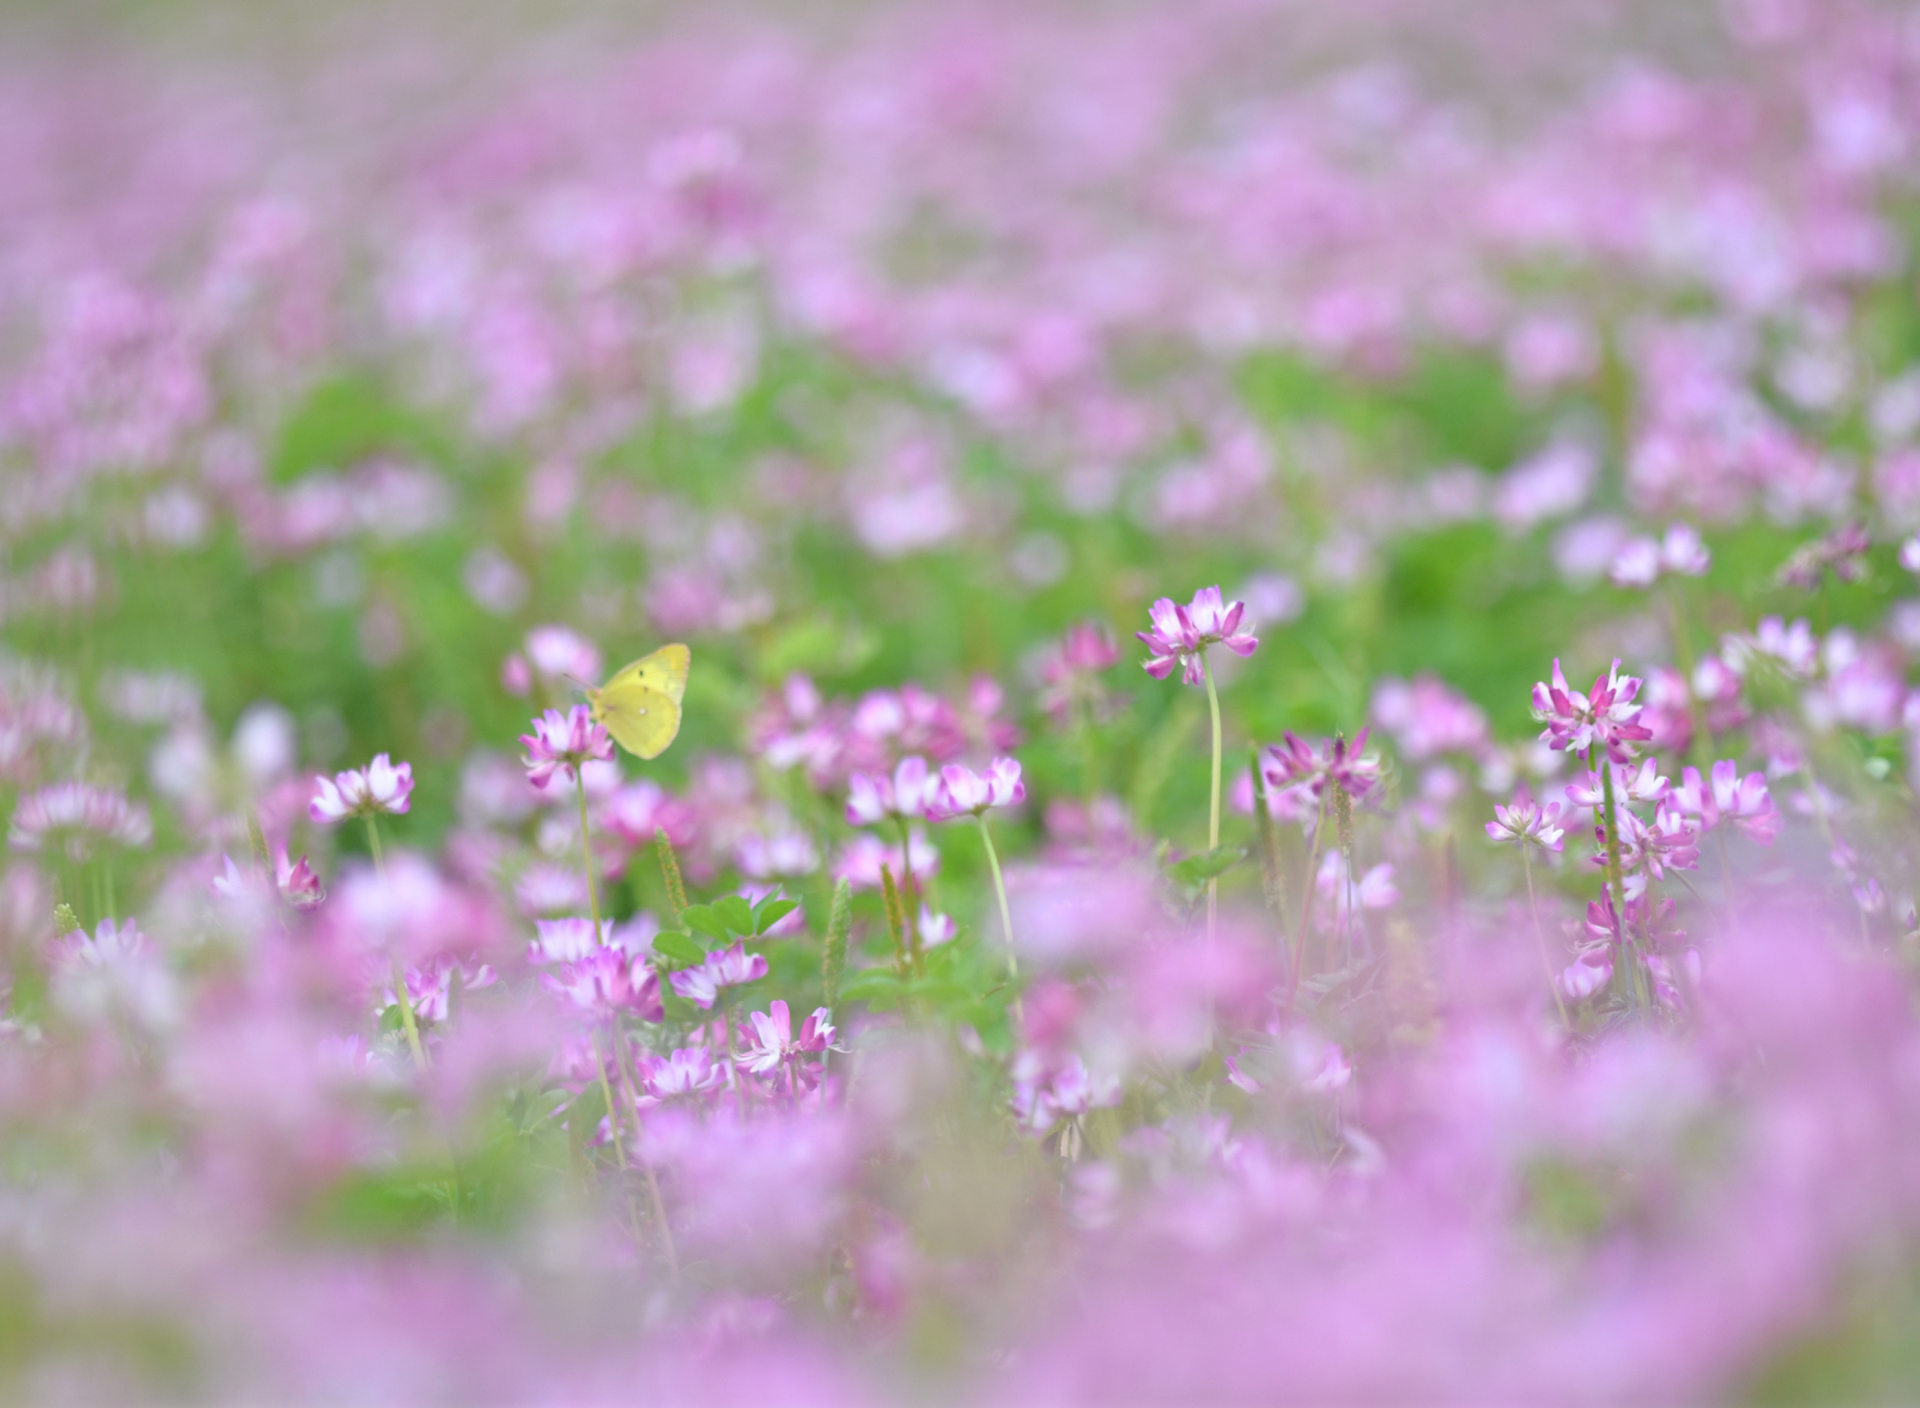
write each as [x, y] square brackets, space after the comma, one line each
[381, 788]
[1297, 764]
[1607, 716]
[1181, 634]
[1526, 823]
[1643, 561]
[687, 1072]
[76, 817]
[1744, 801]
[553, 654]
[872, 799]
[963, 792]
[1645, 786]
[862, 857]
[297, 883]
[724, 968]
[1070, 671]
[772, 1041]
[560, 743]
[608, 980]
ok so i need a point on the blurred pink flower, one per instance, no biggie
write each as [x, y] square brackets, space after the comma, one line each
[75, 818]
[1525, 822]
[381, 790]
[861, 859]
[1744, 801]
[962, 792]
[1297, 765]
[872, 800]
[724, 968]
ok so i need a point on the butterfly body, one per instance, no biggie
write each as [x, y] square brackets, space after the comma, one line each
[640, 705]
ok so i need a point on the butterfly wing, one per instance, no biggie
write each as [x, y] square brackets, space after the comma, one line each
[641, 720]
[640, 705]
[664, 672]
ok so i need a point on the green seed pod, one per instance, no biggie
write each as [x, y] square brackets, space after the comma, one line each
[833, 961]
[670, 872]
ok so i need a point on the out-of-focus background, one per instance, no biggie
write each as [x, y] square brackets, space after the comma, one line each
[346, 351]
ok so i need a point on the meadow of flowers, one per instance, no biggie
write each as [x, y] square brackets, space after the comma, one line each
[1273, 759]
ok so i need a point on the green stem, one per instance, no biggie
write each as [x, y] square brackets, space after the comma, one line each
[1306, 901]
[613, 1111]
[1000, 890]
[1213, 812]
[400, 993]
[1628, 957]
[911, 897]
[1539, 935]
[586, 856]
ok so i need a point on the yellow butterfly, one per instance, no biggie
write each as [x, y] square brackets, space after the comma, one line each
[640, 705]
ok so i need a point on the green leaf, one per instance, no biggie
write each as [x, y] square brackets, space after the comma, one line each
[768, 915]
[877, 987]
[1197, 870]
[678, 950]
[735, 913]
[701, 919]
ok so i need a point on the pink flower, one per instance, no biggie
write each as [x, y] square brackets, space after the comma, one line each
[936, 929]
[560, 743]
[687, 1072]
[1295, 764]
[772, 1042]
[963, 792]
[724, 968]
[787, 851]
[874, 799]
[1525, 822]
[76, 817]
[861, 859]
[1182, 633]
[1794, 650]
[1644, 786]
[1069, 671]
[297, 883]
[1576, 721]
[1047, 1089]
[606, 981]
[1588, 974]
[1427, 718]
[1649, 850]
[1745, 801]
[553, 654]
[382, 789]
[565, 940]
[1373, 890]
[1643, 560]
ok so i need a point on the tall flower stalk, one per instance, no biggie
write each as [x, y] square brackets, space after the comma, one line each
[1181, 635]
[380, 788]
[962, 792]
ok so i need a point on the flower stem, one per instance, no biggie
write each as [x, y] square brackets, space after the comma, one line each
[1213, 809]
[400, 993]
[660, 1216]
[1306, 903]
[586, 857]
[613, 1110]
[1539, 936]
[1629, 959]
[911, 897]
[1006, 914]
